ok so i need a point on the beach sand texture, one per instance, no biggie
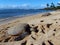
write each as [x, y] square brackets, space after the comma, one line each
[45, 30]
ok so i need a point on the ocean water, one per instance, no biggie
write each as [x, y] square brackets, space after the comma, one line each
[5, 13]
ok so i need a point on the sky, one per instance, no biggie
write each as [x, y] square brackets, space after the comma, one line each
[26, 4]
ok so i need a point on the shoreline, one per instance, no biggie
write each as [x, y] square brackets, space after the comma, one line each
[14, 18]
[24, 15]
[20, 16]
[45, 25]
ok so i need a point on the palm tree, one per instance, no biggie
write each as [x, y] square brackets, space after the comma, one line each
[58, 7]
[52, 5]
[47, 5]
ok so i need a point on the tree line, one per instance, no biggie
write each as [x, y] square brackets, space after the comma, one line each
[52, 6]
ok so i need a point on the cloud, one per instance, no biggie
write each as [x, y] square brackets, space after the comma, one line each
[8, 6]
[43, 5]
[22, 6]
[25, 5]
[58, 2]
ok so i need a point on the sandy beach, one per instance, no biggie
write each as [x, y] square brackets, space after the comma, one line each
[48, 29]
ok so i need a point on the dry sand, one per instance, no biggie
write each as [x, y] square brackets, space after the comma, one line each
[48, 30]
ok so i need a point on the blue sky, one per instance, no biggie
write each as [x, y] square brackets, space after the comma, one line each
[26, 4]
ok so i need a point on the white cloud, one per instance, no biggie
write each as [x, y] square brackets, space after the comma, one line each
[22, 6]
[8, 6]
[58, 2]
[25, 5]
[43, 5]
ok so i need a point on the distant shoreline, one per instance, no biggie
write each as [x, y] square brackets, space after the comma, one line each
[20, 16]
[14, 18]
[20, 13]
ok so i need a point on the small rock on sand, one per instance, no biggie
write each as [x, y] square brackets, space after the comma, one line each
[46, 14]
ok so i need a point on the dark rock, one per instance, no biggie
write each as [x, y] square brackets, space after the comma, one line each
[31, 44]
[34, 29]
[43, 43]
[50, 42]
[54, 29]
[33, 38]
[53, 34]
[56, 22]
[7, 39]
[42, 31]
[48, 25]
[46, 14]
[32, 24]
[43, 27]
[42, 21]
